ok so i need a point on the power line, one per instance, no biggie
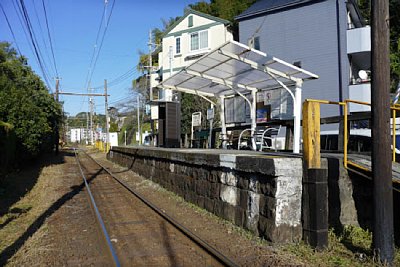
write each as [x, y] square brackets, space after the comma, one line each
[22, 24]
[94, 48]
[11, 30]
[42, 35]
[102, 39]
[130, 73]
[33, 39]
[48, 32]
[120, 100]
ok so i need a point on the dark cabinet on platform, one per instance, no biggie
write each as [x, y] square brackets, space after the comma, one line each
[169, 124]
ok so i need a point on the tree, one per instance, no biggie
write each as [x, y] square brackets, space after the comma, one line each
[225, 9]
[26, 104]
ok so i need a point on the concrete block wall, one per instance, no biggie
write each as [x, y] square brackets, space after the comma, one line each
[262, 194]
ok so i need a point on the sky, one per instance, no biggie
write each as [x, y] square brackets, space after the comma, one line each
[73, 27]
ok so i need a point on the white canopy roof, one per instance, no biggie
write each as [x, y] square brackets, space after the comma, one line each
[232, 68]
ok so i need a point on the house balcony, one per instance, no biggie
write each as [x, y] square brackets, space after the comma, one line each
[360, 92]
[359, 40]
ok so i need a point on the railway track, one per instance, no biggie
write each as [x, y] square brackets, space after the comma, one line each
[137, 232]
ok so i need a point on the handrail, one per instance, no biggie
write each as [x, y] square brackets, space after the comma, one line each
[345, 104]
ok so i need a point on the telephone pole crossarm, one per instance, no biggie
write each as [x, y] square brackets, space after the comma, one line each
[81, 94]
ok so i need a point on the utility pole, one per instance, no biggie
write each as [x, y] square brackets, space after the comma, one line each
[138, 120]
[87, 119]
[106, 107]
[91, 120]
[168, 92]
[151, 97]
[150, 66]
[57, 137]
[383, 239]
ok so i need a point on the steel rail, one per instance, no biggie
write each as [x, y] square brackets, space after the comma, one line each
[203, 244]
[96, 210]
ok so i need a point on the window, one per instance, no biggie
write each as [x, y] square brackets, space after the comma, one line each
[198, 40]
[194, 41]
[190, 21]
[257, 42]
[254, 42]
[177, 45]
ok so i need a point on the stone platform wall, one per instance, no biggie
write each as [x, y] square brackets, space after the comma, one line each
[260, 193]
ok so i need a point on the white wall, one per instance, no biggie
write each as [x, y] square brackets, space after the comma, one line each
[113, 139]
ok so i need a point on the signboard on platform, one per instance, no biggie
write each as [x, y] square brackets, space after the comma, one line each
[154, 112]
[210, 114]
[196, 119]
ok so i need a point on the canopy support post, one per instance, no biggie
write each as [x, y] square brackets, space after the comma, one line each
[253, 111]
[297, 117]
[296, 110]
[253, 116]
[223, 125]
[211, 129]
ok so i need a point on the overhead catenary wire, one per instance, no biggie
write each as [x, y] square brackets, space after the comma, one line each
[50, 40]
[102, 40]
[95, 56]
[94, 50]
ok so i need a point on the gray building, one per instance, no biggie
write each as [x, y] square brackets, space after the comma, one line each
[327, 37]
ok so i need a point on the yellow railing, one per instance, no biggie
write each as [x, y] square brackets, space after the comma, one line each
[308, 151]
[102, 146]
[394, 108]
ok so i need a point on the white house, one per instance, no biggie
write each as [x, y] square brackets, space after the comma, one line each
[192, 36]
[76, 135]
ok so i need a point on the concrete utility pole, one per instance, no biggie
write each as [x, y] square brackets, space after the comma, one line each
[168, 92]
[138, 120]
[106, 110]
[150, 83]
[87, 119]
[57, 137]
[150, 66]
[91, 120]
[383, 240]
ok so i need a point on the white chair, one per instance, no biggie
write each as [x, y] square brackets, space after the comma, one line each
[272, 135]
[240, 137]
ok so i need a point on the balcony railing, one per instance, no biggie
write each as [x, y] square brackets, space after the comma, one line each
[358, 40]
[360, 92]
